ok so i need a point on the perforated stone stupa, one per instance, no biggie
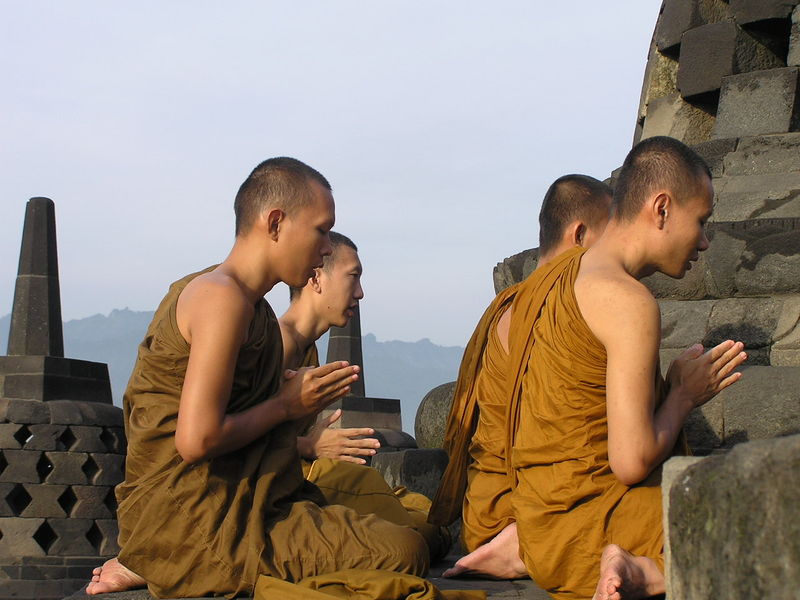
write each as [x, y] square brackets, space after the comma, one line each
[62, 444]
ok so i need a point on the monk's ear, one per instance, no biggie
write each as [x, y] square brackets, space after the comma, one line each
[314, 282]
[273, 221]
[575, 233]
[660, 208]
[580, 234]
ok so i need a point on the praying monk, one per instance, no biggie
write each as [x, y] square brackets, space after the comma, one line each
[476, 484]
[329, 298]
[214, 496]
[591, 422]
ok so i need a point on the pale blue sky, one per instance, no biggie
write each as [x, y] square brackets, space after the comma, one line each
[439, 124]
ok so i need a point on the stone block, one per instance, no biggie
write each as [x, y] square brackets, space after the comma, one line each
[749, 320]
[46, 437]
[675, 117]
[659, 81]
[733, 526]
[514, 269]
[18, 537]
[392, 440]
[774, 195]
[21, 466]
[115, 441]
[764, 155]
[751, 11]
[24, 411]
[705, 427]
[683, 323]
[67, 468]
[693, 286]
[87, 439]
[431, 419]
[65, 412]
[793, 53]
[759, 103]
[71, 537]
[714, 152]
[679, 16]
[95, 413]
[110, 469]
[94, 502]
[378, 413]
[110, 531]
[46, 501]
[765, 403]
[711, 52]
[6, 509]
[13, 435]
[420, 470]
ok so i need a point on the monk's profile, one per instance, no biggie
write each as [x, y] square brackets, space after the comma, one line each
[214, 495]
[595, 421]
[476, 484]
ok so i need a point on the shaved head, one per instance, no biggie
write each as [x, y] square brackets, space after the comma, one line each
[284, 183]
[654, 164]
[338, 241]
[571, 198]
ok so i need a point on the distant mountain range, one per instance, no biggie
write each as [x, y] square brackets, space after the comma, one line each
[392, 369]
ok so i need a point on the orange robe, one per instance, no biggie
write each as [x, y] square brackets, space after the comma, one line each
[214, 527]
[475, 484]
[567, 502]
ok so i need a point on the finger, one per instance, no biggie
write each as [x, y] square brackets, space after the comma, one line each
[355, 431]
[338, 375]
[719, 350]
[334, 386]
[352, 459]
[727, 356]
[734, 363]
[332, 418]
[289, 373]
[329, 368]
[360, 451]
[729, 380]
[363, 443]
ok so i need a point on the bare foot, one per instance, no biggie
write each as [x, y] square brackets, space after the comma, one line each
[497, 559]
[624, 576]
[113, 577]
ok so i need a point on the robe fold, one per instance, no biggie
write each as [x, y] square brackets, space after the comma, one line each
[213, 527]
[567, 502]
[475, 484]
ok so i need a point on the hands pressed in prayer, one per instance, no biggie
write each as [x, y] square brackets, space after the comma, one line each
[699, 376]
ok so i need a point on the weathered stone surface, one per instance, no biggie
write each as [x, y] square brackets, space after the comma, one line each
[54, 378]
[24, 411]
[674, 117]
[714, 152]
[759, 103]
[94, 502]
[793, 53]
[750, 11]
[44, 501]
[711, 52]
[21, 466]
[109, 530]
[659, 81]
[684, 323]
[344, 343]
[111, 469]
[705, 427]
[432, 414]
[679, 16]
[71, 537]
[764, 403]
[742, 507]
[17, 538]
[514, 269]
[670, 474]
[420, 470]
[67, 468]
[764, 155]
[765, 196]
[378, 413]
[392, 440]
[46, 437]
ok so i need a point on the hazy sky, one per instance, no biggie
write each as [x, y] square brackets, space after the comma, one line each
[439, 124]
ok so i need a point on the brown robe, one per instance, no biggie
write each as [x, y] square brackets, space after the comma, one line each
[568, 503]
[212, 528]
[475, 484]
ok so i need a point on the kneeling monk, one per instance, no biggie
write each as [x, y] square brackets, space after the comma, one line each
[476, 484]
[214, 495]
[595, 423]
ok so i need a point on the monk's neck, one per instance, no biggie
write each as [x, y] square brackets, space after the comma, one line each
[249, 266]
[305, 324]
[623, 245]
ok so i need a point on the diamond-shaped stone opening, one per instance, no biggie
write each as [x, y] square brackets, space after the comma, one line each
[44, 467]
[3, 462]
[90, 469]
[23, 435]
[18, 499]
[111, 500]
[45, 536]
[109, 439]
[67, 438]
[95, 537]
[68, 500]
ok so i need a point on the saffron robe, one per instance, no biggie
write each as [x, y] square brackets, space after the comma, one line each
[476, 485]
[567, 502]
[212, 528]
[364, 489]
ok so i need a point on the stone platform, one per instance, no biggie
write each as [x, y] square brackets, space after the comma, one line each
[520, 588]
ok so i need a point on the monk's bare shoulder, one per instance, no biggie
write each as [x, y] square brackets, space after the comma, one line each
[210, 299]
[616, 306]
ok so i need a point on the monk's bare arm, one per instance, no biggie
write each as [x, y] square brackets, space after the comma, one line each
[214, 317]
[503, 328]
[626, 319]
